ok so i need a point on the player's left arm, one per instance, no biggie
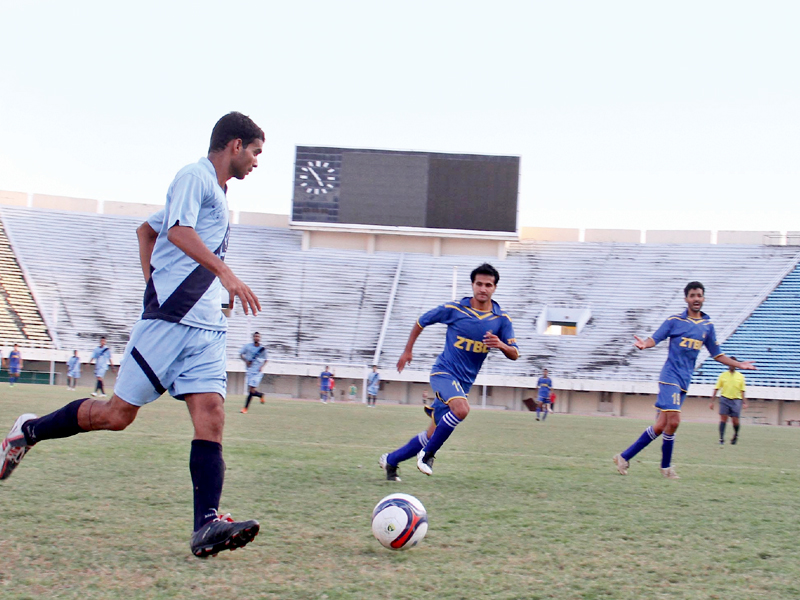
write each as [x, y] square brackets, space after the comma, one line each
[509, 347]
[147, 241]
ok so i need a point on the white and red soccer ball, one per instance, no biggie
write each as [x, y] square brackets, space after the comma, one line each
[399, 521]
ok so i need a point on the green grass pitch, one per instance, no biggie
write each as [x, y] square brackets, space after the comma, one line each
[517, 509]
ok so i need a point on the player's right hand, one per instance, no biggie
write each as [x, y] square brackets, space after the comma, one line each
[405, 359]
[237, 288]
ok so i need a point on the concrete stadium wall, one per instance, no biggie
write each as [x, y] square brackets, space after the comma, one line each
[459, 247]
[330, 239]
[130, 209]
[755, 238]
[549, 234]
[264, 219]
[403, 243]
[65, 203]
[628, 236]
[14, 198]
[663, 236]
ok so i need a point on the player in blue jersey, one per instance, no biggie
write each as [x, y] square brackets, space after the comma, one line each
[475, 325]
[545, 385]
[325, 385]
[179, 343]
[73, 370]
[14, 364]
[373, 385]
[255, 357]
[102, 361]
[688, 332]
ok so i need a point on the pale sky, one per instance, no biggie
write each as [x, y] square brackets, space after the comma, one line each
[642, 115]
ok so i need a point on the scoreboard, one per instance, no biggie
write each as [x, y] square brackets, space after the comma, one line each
[410, 189]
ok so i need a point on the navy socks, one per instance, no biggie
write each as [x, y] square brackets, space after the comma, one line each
[58, 424]
[444, 428]
[648, 436]
[666, 450]
[208, 473]
[410, 450]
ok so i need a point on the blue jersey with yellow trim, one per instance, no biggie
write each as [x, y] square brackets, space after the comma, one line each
[687, 337]
[545, 384]
[325, 381]
[464, 350]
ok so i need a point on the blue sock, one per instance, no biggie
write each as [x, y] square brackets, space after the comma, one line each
[544, 414]
[410, 450]
[444, 428]
[208, 472]
[538, 411]
[666, 450]
[648, 436]
[58, 424]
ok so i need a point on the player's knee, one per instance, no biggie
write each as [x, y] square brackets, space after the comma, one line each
[119, 420]
[461, 410]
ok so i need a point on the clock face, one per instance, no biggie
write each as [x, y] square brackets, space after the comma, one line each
[317, 177]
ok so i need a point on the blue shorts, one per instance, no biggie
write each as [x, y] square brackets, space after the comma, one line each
[162, 356]
[13, 372]
[730, 406]
[254, 379]
[100, 371]
[545, 400]
[74, 374]
[670, 397]
[445, 388]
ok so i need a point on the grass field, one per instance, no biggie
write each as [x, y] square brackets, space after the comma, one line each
[517, 509]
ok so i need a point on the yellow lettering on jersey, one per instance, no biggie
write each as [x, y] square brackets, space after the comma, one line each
[469, 345]
[691, 343]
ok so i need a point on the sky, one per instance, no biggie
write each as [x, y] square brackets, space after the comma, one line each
[632, 115]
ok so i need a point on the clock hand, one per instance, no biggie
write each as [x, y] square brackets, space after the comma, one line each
[319, 181]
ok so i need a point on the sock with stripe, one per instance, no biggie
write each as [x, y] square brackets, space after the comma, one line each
[58, 424]
[208, 473]
[410, 450]
[666, 450]
[648, 436]
[444, 428]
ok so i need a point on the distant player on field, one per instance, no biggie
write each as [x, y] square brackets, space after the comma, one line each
[73, 370]
[179, 343]
[475, 325]
[325, 388]
[688, 332]
[14, 364]
[255, 357]
[545, 384]
[731, 402]
[102, 358]
[373, 385]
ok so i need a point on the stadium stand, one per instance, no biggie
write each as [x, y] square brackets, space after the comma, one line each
[324, 305]
[770, 336]
[20, 320]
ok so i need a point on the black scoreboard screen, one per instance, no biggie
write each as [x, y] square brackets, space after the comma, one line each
[410, 189]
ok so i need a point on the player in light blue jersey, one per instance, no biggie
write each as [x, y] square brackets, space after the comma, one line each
[179, 343]
[475, 325]
[102, 361]
[373, 385]
[545, 385]
[688, 332]
[73, 370]
[14, 364]
[255, 357]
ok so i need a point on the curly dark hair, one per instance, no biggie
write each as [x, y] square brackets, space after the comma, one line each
[485, 269]
[234, 126]
[693, 285]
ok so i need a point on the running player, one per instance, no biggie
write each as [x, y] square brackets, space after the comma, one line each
[14, 365]
[325, 379]
[255, 357]
[688, 332]
[475, 325]
[102, 358]
[545, 385]
[373, 385]
[179, 343]
[73, 370]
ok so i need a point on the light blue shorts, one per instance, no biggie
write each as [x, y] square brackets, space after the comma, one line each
[100, 371]
[670, 397]
[163, 356]
[74, 374]
[254, 379]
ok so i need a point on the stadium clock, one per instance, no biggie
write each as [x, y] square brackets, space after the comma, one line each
[317, 177]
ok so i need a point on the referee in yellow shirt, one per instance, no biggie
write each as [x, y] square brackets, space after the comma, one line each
[731, 401]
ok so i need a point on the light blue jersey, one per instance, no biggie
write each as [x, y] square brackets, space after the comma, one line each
[255, 356]
[180, 290]
[74, 367]
[373, 383]
[102, 356]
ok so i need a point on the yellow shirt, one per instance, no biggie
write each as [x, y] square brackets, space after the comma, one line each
[731, 384]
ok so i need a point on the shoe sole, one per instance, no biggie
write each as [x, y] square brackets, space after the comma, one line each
[238, 539]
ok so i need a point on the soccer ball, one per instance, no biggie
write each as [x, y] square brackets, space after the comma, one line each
[399, 521]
